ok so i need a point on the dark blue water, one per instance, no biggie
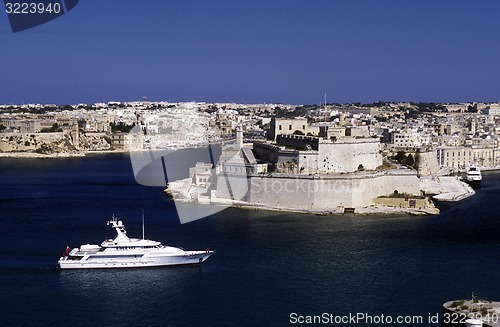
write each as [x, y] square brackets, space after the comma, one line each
[267, 265]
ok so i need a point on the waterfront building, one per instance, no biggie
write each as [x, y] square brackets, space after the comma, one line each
[279, 126]
[458, 158]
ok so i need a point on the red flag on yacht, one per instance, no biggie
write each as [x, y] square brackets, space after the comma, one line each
[67, 249]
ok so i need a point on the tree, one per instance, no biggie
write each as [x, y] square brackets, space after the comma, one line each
[400, 156]
[121, 127]
[409, 160]
[53, 129]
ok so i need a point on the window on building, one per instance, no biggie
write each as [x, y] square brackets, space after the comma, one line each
[290, 127]
[279, 127]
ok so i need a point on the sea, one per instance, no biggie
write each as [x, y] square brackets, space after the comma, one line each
[269, 268]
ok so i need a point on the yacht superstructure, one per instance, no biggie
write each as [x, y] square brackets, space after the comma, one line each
[473, 176]
[125, 252]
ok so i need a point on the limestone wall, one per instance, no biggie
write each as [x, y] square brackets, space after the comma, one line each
[342, 157]
[427, 162]
[266, 152]
[298, 141]
[289, 192]
[332, 157]
[26, 142]
[47, 143]
[307, 162]
[402, 202]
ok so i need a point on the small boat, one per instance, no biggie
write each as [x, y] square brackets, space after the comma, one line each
[125, 252]
[473, 176]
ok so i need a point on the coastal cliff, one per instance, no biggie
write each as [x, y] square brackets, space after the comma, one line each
[57, 144]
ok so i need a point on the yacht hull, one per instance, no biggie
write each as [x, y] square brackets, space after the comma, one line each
[473, 176]
[94, 262]
[474, 183]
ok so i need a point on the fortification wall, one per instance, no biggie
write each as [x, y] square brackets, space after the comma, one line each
[232, 186]
[347, 157]
[403, 203]
[427, 162]
[298, 141]
[308, 162]
[326, 193]
[266, 152]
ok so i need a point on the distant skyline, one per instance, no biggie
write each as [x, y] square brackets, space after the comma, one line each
[256, 51]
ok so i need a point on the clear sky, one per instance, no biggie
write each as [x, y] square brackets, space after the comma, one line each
[256, 51]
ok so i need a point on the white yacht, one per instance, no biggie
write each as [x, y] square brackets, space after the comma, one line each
[473, 175]
[125, 252]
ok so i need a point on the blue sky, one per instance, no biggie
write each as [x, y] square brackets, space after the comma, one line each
[256, 51]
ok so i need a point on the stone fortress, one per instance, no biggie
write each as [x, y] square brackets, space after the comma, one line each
[342, 173]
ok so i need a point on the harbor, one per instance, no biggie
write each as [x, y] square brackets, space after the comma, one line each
[447, 188]
[288, 260]
[275, 163]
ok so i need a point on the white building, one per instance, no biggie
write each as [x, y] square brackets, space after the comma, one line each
[289, 126]
[459, 158]
[410, 138]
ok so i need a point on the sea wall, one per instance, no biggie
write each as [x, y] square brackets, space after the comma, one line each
[315, 192]
[403, 203]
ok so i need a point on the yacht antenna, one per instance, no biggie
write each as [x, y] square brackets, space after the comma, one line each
[142, 223]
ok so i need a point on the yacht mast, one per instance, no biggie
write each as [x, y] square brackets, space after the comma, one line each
[142, 223]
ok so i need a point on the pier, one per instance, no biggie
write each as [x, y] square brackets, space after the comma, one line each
[446, 188]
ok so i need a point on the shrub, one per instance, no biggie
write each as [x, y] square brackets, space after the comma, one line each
[409, 160]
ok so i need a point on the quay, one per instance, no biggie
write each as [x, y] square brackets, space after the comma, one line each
[446, 188]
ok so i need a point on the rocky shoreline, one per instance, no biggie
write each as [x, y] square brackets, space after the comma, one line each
[370, 210]
[34, 155]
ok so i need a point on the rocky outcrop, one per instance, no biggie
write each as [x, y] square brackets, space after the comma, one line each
[54, 143]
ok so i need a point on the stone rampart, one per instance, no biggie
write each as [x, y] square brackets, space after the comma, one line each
[342, 157]
[322, 193]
